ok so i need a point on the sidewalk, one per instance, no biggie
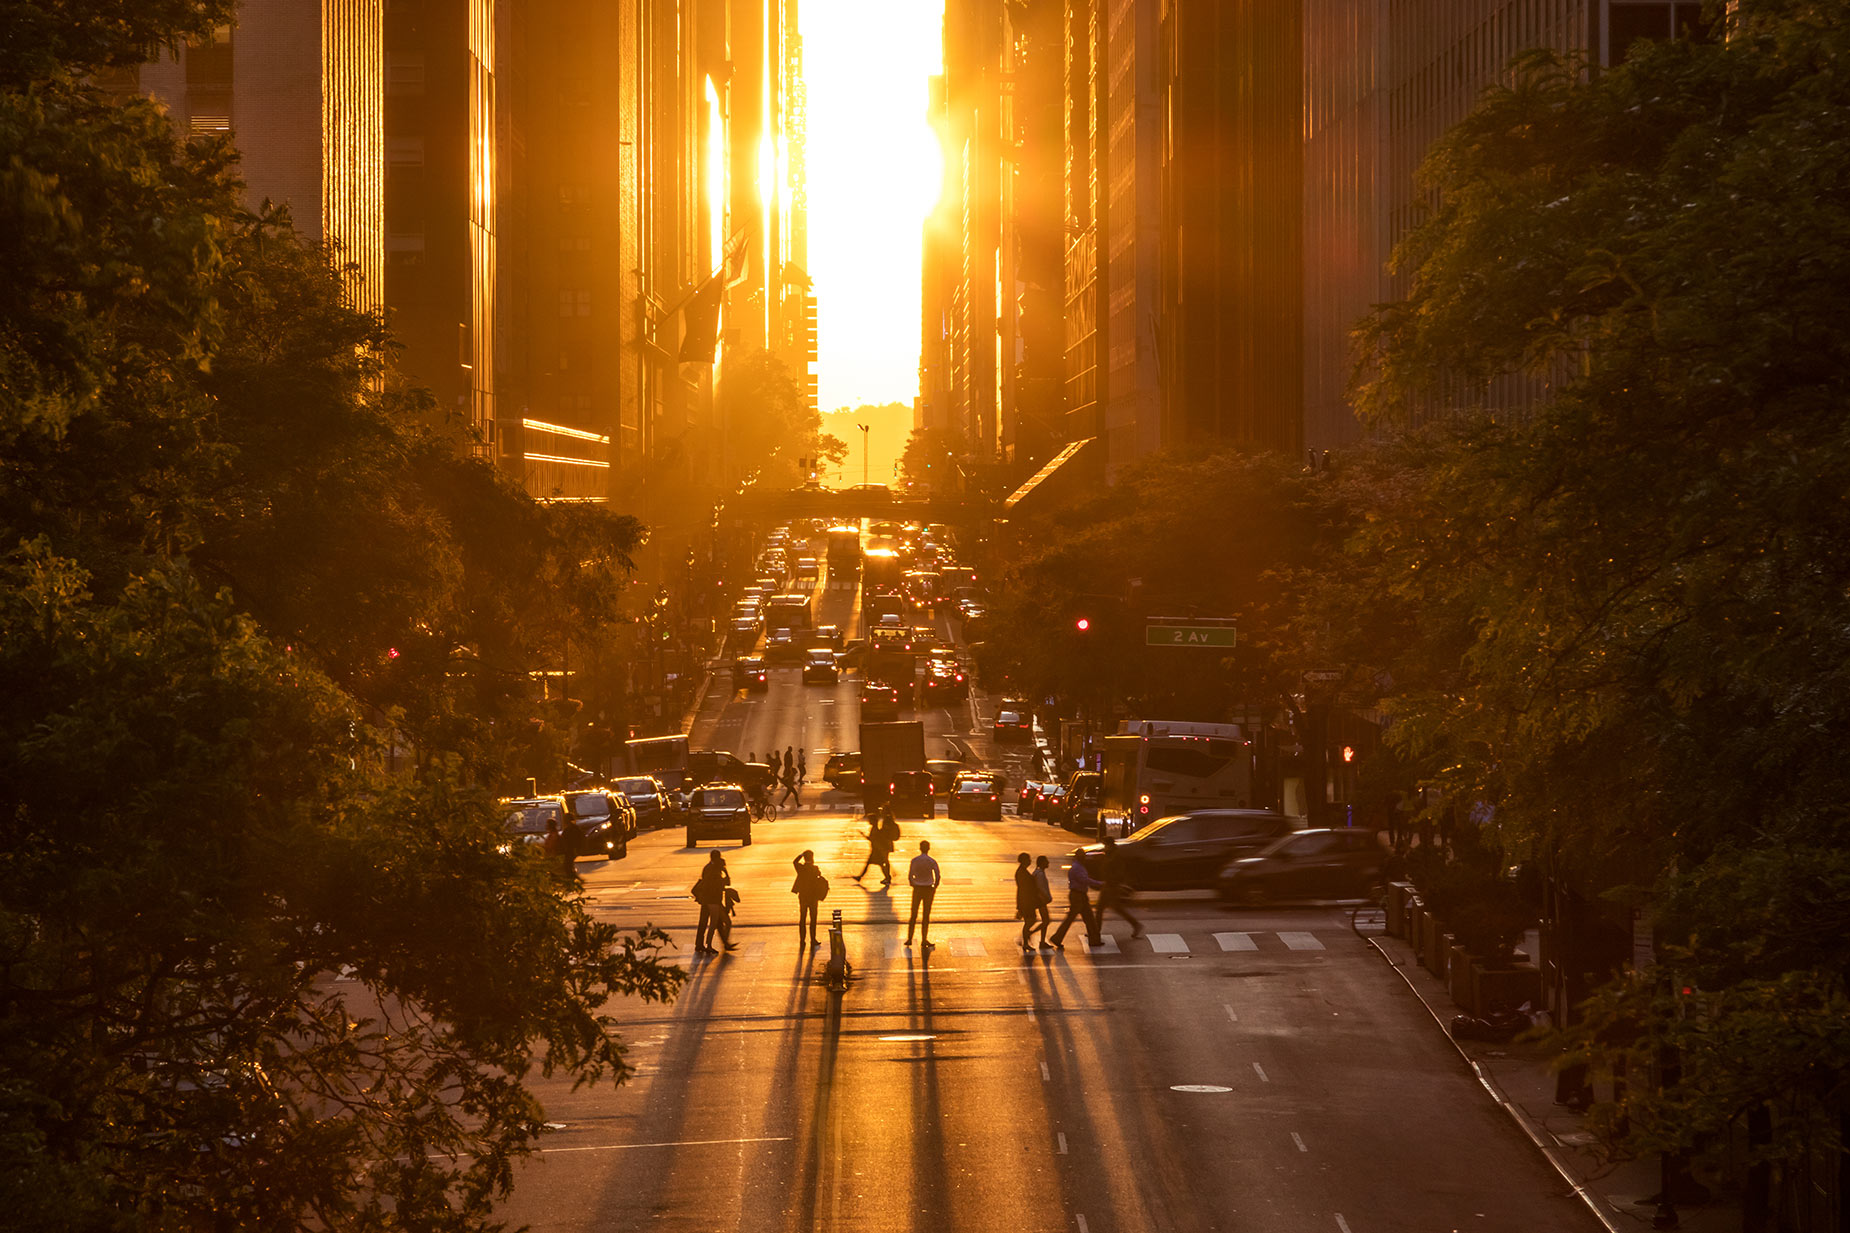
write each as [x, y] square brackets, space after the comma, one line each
[1519, 1077]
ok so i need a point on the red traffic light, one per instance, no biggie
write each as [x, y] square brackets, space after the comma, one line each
[1082, 625]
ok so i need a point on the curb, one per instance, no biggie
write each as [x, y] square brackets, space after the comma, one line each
[1602, 1211]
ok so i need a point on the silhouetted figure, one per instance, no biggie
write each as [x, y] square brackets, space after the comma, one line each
[802, 767]
[1116, 897]
[882, 835]
[710, 894]
[1079, 885]
[924, 876]
[810, 888]
[791, 789]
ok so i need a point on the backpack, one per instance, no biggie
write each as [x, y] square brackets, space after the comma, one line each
[822, 886]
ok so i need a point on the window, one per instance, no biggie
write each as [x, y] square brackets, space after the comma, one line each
[404, 73]
[1194, 761]
[404, 151]
[574, 303]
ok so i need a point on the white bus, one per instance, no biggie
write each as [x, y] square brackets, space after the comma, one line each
[1155, 768]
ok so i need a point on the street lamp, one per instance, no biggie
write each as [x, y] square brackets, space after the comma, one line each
[864, 455]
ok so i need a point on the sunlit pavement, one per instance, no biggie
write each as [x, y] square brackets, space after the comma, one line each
[1251, 1071]
[969, 1088]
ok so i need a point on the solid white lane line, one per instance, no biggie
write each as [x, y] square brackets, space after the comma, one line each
[1301, 941]
[1299, 1140]
[1236, 941]
[1230, 1012]
[1168, 944]
[1046, 1075]
[1260, 1071]
[1061, 1135]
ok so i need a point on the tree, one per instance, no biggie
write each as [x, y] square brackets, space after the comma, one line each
[232, 574]
[1637, 583]
[769, 425]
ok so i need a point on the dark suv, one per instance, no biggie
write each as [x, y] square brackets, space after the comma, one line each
[649, 799]
[843, 771]
[910, 795]
[718, 811]
[1188, 852]
[1319, 864]
[606, 822]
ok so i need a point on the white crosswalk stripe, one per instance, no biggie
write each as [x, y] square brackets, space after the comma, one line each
[1110, 946]
[1236, 941]
[1301, 941]
[1168, 944]
[969, 948]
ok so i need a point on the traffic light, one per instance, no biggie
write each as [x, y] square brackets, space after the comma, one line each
[1082, 624]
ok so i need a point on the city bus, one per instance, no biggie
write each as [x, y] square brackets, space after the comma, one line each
[844, 550]
[790, 612]
[1154, 768]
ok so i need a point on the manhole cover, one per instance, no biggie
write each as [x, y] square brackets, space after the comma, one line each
[1198, 1087]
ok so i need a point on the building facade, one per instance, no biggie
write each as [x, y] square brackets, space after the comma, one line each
[299, 88]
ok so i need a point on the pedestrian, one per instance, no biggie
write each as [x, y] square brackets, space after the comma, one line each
[810, 888]
[710, 893]
[880, 841]
[722, 921]
[1116, 896]
[1079, 882]
[790, 761]
[1027, 899]
[802, 767]
[568, 852]
[790, 787]
[924, 877]
[1045, 893]
[751, 757]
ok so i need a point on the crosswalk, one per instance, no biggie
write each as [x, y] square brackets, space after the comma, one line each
[967, 946]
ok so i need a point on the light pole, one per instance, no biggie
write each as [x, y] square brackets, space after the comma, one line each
[864, 448]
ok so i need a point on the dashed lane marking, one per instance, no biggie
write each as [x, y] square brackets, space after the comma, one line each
[1342, 1224]
[1046, 1075]
[1260, 1071]
[1236, 941]
[1168, 944]
[1060, 1136]
[1231, 1014]
[1299, 1140]
[1301, 941]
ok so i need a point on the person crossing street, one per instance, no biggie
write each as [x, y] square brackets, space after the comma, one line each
[1079, 885]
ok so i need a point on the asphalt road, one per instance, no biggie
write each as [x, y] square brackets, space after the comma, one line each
[1254, 1071]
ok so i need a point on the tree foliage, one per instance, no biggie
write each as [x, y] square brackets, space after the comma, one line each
[1628, 622]
[250, 979]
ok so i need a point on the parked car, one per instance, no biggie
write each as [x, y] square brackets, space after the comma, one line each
[1314, 864]
[843, 770]
[718, 811]
[977, 796]
[878, 703]
[648, 798]
[606, 822]
[748, 672]
[1014, 726]
[819, 667]
[1189, 851]
[943, 771]
[910, 795]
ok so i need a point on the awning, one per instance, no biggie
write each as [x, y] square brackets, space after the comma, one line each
[1068, 474]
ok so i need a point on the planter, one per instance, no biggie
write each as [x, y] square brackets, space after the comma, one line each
[1438, 947]
[1459, 970]
[1399, 896]
[1416, 926]
[1508, 985]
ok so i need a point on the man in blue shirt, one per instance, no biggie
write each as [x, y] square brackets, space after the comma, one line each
[1079, 882]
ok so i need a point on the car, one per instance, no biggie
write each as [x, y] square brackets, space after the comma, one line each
[942, 772]
[1310, 864]
[826, 635]
[808, 570]
[744, 622]
[1028, 798]
[1079, 803]
[749, 672]
[910, 795]
[975, 795]
[1048, 805]
[782, 644]
[526, 818]
[1014, 725]
[924, 638]
[943, 686]
[606, 822]
[706, 766]
[879, 703]
[842, 770]
[648, 798]
[1188, 851]
[819, 666]
[890, 638]
[718, 811]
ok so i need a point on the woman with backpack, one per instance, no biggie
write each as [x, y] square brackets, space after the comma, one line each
[810, 888]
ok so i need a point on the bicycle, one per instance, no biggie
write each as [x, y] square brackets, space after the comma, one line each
[764, 809]
[1369, 920]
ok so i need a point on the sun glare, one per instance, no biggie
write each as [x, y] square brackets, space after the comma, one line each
[874, 171]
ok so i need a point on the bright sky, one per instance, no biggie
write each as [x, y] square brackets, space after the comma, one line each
[874, 172]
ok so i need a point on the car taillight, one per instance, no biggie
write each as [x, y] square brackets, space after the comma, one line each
[992, 798]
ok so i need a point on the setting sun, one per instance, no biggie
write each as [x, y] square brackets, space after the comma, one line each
[874, 171]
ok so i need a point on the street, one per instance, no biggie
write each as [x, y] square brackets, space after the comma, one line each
[1253, 1070]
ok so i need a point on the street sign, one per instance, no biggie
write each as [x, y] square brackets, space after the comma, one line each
[1189, 635]
[1325, 676]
